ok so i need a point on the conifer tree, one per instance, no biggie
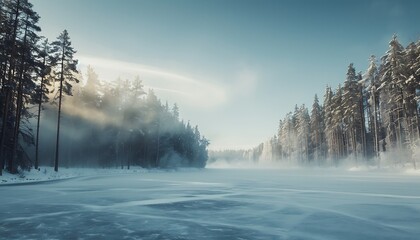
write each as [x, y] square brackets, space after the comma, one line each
[42, 90]
[90, 92]
[175, 111]
[392, 81]
[412, 84]
[371, 80]
[353, 114]
[19, 38]
[65, 70]
[317, 131]
[303, 133]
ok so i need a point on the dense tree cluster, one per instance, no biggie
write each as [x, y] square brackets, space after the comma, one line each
[111, 125]
[21, 67]
[119, 124]
[371, 115]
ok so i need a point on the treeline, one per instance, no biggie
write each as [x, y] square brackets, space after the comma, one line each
[118, 124]
[134, 128]
[228, 156]
[371, 116]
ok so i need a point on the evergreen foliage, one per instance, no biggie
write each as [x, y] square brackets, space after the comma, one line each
[19, 65]
[118, 124]
[369, 116]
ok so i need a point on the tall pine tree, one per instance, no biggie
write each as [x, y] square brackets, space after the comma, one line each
[65, 72]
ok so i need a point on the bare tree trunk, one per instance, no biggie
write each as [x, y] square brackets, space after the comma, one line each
[122, 158]
[129, 153]
[375, 125]
[57, 144]
[158, 144]
[38, 122]
[363, 125]
[19, 105]
[18, 114]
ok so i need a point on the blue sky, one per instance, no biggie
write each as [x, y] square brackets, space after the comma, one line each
[235, 67]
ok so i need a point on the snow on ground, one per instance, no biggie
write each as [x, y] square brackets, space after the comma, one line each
[217, 204]
[48, 174]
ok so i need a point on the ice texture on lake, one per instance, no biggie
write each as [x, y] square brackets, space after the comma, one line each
[216, 204]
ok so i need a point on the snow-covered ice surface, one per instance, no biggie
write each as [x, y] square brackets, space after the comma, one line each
[216, 204]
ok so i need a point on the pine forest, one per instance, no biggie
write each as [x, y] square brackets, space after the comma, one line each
[50, 115]
[372, 118]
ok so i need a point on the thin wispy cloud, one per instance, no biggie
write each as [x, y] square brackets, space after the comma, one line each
[171, 86]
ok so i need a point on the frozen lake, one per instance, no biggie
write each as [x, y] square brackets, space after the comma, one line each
[216, 204]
